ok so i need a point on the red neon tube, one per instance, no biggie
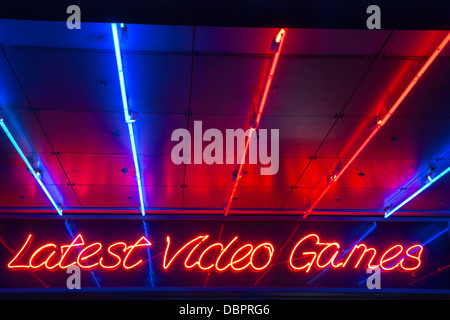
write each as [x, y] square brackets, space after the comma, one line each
[279, 39]
[381, 122]
[197, 254]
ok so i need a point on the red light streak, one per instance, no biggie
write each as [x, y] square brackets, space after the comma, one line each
[279, 38]
[380, 123]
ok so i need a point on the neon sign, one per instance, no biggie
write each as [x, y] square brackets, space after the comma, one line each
[401, 262]
[197, 253]
[44, 256]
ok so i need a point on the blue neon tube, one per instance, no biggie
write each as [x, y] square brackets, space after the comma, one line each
[423, 245]
[126, 111]
[30, 168]
[429, 183]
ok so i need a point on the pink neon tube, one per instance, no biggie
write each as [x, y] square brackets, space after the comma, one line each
[279, 38]
[382, 122]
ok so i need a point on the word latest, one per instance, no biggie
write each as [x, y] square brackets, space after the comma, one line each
[202, 254]
[78, 253]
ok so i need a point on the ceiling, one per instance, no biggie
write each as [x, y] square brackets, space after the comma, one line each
[60, 97]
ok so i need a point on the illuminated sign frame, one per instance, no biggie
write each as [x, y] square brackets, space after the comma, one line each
[233, 253]
[242, 258]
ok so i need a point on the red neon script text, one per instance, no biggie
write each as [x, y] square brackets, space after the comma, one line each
[80, 254]
[205, 255]
[220, 257]
[323, 255]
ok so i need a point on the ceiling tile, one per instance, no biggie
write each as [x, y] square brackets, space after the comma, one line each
[71, 79]
[234, 40]
[26, 131]
[259, 197]
[157, 83]
[389, 173]
[113, 196]
[354, 199]
[298, 136]
[205, 197]
[314, 86]
[414, 43]
[11, 95]
[161, 171]
[32, 196]
[298, 199]
[154, 132]
[93, 35]
[345, 137]
[213, 175]
[163, 196]
[289, 170]
[157, 38]
[86, 132]
[382, 86]
[99, 169]
[14, 171]
[431, 95]
[417, 138]
[334, 42]
[116, 169]
[227, 84]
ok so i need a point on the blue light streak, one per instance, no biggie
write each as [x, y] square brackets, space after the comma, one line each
[429, 183]
[30, 167]
[423, 245]
[148, 253]
[126, 111]
[345, 252]
[66, 223]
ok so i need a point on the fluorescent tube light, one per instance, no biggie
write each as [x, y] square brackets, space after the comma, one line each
[35, 174]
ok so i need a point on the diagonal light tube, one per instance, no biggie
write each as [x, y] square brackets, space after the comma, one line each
[380, 123]
[345, 252]
[30, 167]
[126, 111]
[278, 42]
[437, 235]
[415, 194]
[144, 222]
[69, 229]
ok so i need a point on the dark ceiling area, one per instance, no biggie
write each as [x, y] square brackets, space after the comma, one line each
[60, 98]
